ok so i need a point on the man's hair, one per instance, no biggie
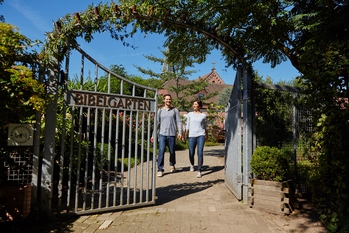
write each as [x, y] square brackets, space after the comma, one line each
[167, 95]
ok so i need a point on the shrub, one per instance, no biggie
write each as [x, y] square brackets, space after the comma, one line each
[212, 143]
[269, 163]
[180, 145]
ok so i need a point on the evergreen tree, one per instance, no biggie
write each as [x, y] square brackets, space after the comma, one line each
[174, 77]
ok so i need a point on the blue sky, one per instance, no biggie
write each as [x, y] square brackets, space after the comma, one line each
[35, 17]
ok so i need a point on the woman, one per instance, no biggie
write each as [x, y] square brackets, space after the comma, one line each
[196, 126]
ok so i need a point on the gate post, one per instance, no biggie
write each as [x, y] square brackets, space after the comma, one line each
[248, 132]
[49, 143]
[36, 155]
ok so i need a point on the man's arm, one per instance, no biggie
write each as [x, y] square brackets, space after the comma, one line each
[157, 117]
[179, 123]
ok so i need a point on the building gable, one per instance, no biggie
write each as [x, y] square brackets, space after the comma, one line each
[216, 84]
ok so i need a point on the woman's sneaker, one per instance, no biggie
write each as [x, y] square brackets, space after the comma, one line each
[198, 175]
[173, 169]
[191, 168]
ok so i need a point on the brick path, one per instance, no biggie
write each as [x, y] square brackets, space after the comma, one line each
[189, 204]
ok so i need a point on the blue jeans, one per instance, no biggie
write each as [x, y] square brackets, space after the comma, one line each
[170, 141]
[199, 142]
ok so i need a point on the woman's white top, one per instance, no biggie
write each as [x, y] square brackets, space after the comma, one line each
[196, 124]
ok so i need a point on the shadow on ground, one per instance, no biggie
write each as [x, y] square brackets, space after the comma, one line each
[217, 152]
[173, 192]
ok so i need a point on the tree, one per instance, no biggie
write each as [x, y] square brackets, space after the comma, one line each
[224, 96]
[177, 81]
[21, 93]
[115, 85]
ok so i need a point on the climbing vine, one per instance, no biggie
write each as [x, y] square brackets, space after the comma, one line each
[123, 21]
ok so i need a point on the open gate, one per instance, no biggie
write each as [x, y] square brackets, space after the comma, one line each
[105, 160]
[233, 158]
[239, 136]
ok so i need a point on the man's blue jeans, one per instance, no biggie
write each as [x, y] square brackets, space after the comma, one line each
[170, 141]
[199, 142]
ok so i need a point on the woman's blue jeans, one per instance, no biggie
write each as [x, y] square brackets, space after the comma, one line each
[170, 141]
[199, 143]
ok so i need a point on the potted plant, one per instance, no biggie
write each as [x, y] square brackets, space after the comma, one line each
[271, 190]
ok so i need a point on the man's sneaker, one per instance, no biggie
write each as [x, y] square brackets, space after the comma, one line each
[160, 173]
[198, 175]
[173, 169]
[191, 168]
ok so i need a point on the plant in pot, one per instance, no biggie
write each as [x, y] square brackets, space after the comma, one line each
[271, 190]
[270, 163]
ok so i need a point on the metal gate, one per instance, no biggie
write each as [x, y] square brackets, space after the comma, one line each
[239, 136]
[233, 161]
[104, 158]
[242, 136]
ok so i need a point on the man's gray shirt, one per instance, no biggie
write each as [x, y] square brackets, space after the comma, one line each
[169, 121]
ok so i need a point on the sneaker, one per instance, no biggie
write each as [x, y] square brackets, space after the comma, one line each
[160, 173]
[173, 169]
[191, 168]
[198, 175]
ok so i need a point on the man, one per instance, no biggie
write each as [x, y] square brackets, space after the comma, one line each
[170, 124]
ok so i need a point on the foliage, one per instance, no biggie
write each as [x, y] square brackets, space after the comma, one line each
[175, 78]
[329, 180]
[223, 96]
[325, 64]
[180, 145]
[116, 84]
[215, 121]
[21, 94]
[273, 115]
[209, 143]
[269, 163]
[96, 150]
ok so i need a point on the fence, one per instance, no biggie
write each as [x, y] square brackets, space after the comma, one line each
[281, 121]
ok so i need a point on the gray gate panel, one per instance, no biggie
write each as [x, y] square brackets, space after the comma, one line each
[233, 158]
[103, 131]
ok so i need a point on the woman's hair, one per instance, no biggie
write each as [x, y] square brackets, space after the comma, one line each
[199, 103]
